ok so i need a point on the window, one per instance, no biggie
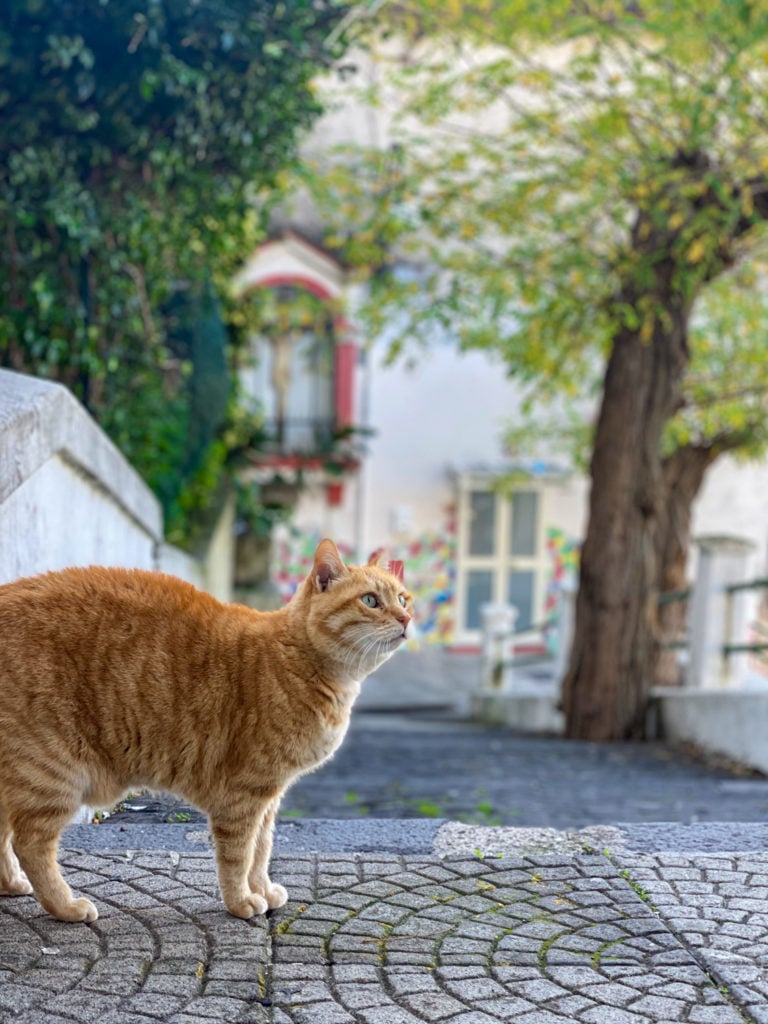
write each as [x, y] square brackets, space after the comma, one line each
[479, 590]
[292, 376]
[501, 554]
[482, 523]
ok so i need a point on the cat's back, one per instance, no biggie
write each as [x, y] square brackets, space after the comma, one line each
[69, 599]
[90, 622]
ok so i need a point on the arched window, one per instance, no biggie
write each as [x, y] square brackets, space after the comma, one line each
[291, 371]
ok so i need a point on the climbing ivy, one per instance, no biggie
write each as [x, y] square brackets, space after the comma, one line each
[139, 141]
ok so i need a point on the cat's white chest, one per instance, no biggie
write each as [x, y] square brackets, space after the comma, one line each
[330, 740]
[322, 746]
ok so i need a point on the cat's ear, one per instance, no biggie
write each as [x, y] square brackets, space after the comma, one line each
[328, 565]
[377, 558]
[380, 559]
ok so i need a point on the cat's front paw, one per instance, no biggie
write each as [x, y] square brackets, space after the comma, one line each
[251, 905]
[275, 895]
[76, 910]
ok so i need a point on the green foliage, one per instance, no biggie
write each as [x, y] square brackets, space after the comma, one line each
[724, 389]
[259, 512]
[561, 174]
[139, 142]
[726, 385]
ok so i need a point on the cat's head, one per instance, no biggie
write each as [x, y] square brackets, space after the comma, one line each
[358, 615]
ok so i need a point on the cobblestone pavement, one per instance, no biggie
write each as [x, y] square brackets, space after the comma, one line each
[717, 906]
[593, 938]
[536, 940]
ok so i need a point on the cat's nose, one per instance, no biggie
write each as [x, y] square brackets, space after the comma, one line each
[404, 618]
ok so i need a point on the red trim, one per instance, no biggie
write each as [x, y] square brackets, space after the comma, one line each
[470, 648]
[344, 385]
[310, 284]
[531, 648]
[334, 493]
[289, 460]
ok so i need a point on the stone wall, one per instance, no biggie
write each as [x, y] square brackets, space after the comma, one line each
[67, 495]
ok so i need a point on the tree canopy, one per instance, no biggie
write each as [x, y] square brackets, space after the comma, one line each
[529, 139]
[139, 140]
[723, 391]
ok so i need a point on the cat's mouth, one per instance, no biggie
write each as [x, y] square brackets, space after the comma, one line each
[396, 640]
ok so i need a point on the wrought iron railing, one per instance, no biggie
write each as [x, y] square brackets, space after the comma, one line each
[731, 590]
[307, 435]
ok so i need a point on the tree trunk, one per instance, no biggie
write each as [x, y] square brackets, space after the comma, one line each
[606, 686]
[683, 474]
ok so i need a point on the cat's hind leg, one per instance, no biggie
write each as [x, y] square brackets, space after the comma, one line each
[258, 876]
[13, 881]
[36, 840]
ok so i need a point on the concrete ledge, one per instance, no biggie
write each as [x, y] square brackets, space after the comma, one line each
[180, 563]
[437, 836]
[40, 420]
[533, 709]
[729, 722]
[67, 495]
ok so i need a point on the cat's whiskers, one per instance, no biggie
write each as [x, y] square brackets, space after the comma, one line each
[348, 655]
[365, 650]
[359, 649]
[380, 646]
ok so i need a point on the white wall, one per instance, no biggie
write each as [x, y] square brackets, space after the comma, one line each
[67, 495]
[443, 415]
[59, 516]
[446, 413]
[733, 723]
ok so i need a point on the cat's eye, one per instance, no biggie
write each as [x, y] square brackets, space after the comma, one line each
[401, 599]
[370, 600]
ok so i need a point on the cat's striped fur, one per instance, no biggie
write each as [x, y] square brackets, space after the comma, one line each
[114, 679]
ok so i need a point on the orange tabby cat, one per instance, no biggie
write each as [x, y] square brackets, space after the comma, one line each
[112, 679]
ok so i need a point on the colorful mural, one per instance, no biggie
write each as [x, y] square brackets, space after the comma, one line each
[430, 575]
[564, 552]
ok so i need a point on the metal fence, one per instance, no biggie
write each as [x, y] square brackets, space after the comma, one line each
[730, 647]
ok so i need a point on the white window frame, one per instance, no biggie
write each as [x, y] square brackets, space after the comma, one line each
[501, 561]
